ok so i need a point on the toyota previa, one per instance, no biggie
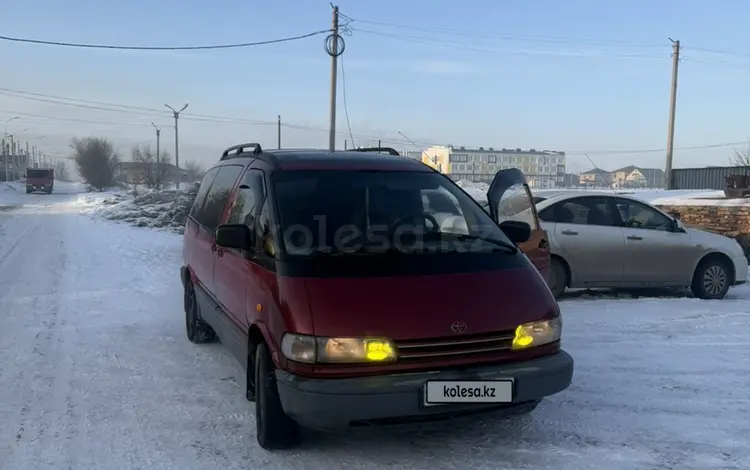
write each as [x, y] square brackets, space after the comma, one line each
[363, 287]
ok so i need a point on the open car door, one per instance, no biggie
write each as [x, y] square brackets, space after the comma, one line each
[509, 198]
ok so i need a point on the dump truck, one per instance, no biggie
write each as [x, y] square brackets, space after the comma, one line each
[40, 180]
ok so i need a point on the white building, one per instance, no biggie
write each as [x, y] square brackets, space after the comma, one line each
[543, 168]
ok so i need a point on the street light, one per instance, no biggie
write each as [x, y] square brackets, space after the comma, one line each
[176, 115]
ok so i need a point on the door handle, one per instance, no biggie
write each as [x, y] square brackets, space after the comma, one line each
[634, 237]
[569, 232]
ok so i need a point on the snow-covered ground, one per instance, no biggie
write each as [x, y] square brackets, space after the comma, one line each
[96, 372]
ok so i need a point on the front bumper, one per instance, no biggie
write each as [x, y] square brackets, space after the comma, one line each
[338, 403]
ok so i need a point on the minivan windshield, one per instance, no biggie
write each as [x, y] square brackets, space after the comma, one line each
[348, 211]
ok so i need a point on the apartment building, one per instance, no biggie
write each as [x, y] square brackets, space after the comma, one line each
[543, 168]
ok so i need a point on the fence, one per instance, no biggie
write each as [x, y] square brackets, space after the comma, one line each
[705, 178]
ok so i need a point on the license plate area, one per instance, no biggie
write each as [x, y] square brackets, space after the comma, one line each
[455, 392]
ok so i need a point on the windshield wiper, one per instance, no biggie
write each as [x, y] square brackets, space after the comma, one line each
[499, 243]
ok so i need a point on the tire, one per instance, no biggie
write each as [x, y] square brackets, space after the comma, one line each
[558, 277]
[273, 428]
[197, 330]
[712, 279]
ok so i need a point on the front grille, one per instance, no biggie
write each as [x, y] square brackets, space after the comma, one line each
[454, 347]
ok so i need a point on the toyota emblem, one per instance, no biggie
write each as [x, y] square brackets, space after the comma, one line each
[458, 327]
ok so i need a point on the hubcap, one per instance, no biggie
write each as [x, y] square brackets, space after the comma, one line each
[714, 279]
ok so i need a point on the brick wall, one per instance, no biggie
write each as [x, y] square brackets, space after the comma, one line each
[730, 221]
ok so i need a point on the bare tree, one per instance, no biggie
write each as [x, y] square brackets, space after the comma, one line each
[193, 170]
[153, 172]
[96, 161]
[741, 157]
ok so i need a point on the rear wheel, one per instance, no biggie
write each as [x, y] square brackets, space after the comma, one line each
[273, 428]
[197, 330]
[558, 277]
[712, 279]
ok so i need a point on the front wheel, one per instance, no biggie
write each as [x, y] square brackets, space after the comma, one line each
[558, 278]
[711, 279]
[198, 331]
[273, 428]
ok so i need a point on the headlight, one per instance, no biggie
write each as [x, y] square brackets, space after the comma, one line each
[537, 333]
[311, 350]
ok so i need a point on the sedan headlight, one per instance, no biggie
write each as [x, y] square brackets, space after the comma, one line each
[312, 350]
[537, 333]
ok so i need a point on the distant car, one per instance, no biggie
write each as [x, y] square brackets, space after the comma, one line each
[613, 240]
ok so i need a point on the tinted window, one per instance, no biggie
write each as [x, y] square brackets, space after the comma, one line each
[200, 197]
[250, 195]
[218, 196]
[582, 211]
[636, 215]
[321, 210]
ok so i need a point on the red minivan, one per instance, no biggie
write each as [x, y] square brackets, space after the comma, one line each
[353, 295]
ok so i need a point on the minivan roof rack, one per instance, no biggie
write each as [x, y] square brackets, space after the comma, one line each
[388, 150]
[237, 150]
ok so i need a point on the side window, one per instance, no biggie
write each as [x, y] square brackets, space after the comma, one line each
[635, 215]
[583, 211]
[249, 197]
[263, 222]
[548, 215]
[218, 196]
[200, 197]
[517, 204]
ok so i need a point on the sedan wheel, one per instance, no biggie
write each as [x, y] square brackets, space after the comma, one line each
[711, 280]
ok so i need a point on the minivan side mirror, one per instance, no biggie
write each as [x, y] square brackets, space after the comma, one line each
[517, 231]
[237, 236]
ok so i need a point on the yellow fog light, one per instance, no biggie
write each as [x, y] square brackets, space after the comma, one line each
[537, 333]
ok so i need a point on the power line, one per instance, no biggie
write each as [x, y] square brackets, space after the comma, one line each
[505, 36]
[163, 48]
[84, 121]
[234, 120]
[489, 49]
[346, 105]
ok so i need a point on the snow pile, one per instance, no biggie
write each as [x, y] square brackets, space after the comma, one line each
[165, 209]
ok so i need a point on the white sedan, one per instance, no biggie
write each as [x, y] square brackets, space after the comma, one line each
[616, 241]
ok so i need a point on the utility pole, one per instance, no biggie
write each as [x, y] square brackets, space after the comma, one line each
[176, 115]
[672, 106]
[158, 157]
[5, 142]
[278, 131]
[13, 154]
[333, 41]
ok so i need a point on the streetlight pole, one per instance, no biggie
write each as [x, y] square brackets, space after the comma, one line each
[5, 149]
[158, 157]
[176, 115]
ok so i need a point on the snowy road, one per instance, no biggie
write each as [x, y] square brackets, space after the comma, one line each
[96, 372]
